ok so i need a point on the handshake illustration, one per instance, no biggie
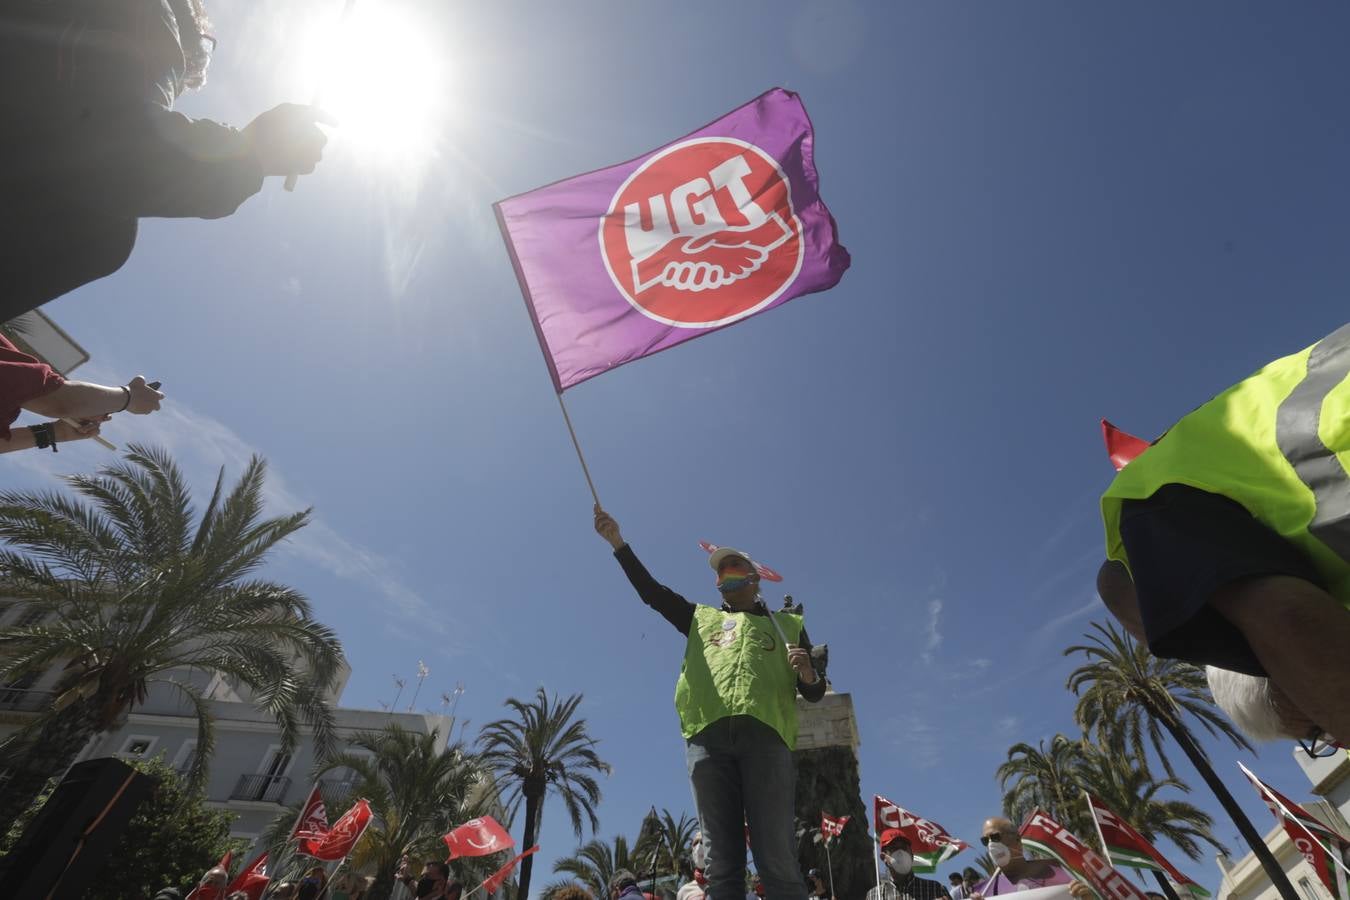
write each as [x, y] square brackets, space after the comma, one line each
[713, 260]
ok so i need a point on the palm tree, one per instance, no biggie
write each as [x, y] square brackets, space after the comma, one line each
[542, 750]
[417, 791]
[1132, 795]
[664, 840]
[1043, 777]
[593, 865]
[134, 593]
[1125, 694]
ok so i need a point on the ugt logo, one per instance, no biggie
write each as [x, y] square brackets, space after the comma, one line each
[702, 234]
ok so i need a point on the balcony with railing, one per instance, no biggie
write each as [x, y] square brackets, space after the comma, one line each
[24, 700]
[336, 791]
[262, 788]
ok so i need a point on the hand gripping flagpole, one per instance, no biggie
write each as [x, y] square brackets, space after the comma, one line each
[292, 178]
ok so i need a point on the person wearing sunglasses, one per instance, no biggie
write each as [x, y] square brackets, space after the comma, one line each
[1017, 873]
[91, 144]
[744, 667]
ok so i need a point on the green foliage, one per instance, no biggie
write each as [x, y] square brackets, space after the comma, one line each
[416, 793]
[1127, 697]
[1045, 777]
[668, 839]
[593, 865]
[134, 590]
[544, 750]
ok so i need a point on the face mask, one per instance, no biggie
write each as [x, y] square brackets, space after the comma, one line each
[700, 856]
[731, 582]
[900, 862]
[425, 886]
[999, 853]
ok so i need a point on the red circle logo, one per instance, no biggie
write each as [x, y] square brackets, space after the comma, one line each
[702, 234]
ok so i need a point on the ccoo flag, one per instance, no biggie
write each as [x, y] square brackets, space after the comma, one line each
[1127, 847]
[721, 224]
[929, 842]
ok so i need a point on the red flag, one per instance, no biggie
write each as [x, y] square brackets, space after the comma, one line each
[1314, 839]
[495, 881]
[253, 880]
[1127, 847]
[1121, 446]
[311, 825]
[478, 837]
[830, 826]
[344, 834]
[1049, 837]
[209, 893]
[929, 841]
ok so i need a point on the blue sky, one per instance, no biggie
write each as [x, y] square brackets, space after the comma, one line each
[1056, 213]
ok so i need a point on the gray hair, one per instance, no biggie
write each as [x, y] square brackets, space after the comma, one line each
[1248, 702]
[621, 879]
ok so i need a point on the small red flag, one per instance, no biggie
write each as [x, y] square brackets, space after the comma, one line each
[344, 834]
[495, 881]
[253, 880]
[1121, 446]
[201, 892]
[830, 826]
[311, 825]
[478, 837]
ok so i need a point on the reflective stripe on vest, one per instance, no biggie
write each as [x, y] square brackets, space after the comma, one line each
[1297, 432]
[1278, 443]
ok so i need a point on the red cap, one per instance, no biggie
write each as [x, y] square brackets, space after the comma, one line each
[890, 835]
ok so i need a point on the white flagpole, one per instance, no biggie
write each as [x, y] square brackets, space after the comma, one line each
[876, 860]
[1092, 811]
[1261, 785]
[829, 869]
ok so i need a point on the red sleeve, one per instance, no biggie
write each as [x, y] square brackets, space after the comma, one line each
[22, 378]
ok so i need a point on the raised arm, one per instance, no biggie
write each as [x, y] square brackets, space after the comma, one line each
[676, 610]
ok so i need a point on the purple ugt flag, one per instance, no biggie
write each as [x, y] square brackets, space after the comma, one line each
[717, 226]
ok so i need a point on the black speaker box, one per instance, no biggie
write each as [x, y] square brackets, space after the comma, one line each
[66, 844]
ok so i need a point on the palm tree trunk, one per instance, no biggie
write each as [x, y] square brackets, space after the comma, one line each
[527, 864]
[1268, 862]
[33, 761]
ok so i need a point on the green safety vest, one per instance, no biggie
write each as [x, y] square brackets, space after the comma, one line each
[1278, 443]
[734, 666]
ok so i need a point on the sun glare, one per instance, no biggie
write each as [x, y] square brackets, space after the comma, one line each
[383, 78]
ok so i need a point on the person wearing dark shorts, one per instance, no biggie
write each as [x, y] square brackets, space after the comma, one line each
[1185, 545]
[1228, 538]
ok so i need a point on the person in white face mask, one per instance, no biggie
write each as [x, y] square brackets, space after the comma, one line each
[697, 887]
[898, 855]
[1015, 872]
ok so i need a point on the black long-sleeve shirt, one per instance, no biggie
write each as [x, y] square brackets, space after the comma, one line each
[680, 612]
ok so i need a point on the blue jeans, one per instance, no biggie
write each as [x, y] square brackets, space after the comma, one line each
[742, 774]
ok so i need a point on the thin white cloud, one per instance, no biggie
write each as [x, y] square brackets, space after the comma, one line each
[201, 445]
[1007, 726]
[1048, 628]
[915, 740]
[932, 633]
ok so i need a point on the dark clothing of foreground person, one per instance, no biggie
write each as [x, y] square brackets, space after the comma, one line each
[1228, 538]
[89, 141]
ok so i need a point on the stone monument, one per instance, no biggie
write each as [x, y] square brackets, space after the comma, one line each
[828, 780]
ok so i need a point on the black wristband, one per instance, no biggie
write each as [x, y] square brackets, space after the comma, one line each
[44, 435]
[128, 400]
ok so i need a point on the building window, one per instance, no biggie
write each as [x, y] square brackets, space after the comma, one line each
[186, 754]
[137, 746]
[1308, 891]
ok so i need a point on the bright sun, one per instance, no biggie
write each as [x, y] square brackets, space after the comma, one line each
[380, 75]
